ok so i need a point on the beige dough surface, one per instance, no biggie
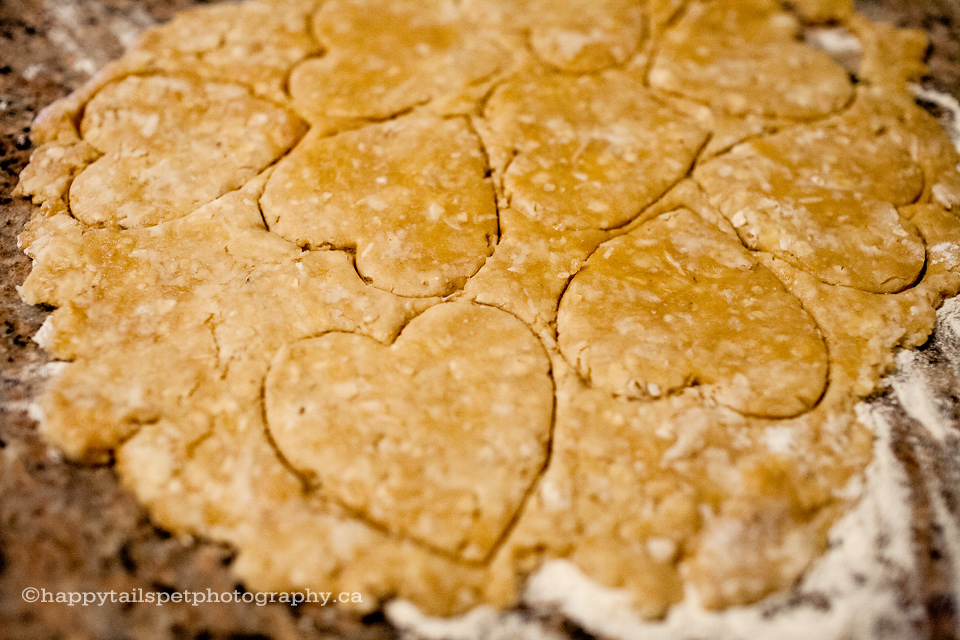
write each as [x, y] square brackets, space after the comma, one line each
[824, 200]
[744, 58]
[585, 152]
[409, 196]
[386, 57]
[677, 303]
[407, 298]
[461, 402]
[171, 145]
[569, 35]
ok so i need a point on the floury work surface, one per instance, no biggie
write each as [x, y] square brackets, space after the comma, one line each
[69, 528]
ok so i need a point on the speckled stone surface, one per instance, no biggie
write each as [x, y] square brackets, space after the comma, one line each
[65, 527]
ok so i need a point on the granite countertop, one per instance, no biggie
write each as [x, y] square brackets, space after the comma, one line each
[66, 527]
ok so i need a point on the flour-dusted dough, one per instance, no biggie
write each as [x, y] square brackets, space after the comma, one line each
[388, 56]
[745, 58]
[171, 145]
[408, 298]
[438, 436]
[825, 200]
[587, 152]
[254, 43]
[571, 35]
[409, 196]
[677, 303]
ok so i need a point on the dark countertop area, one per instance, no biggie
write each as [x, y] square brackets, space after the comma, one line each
[67, 527]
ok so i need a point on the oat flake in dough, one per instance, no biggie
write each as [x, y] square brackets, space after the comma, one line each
[258, 298]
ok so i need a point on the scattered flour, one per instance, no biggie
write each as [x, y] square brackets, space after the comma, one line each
[950, 105]
[68, 36]
[856, 590]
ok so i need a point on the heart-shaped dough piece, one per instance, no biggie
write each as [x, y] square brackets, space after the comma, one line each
[386, 57]
[253, 43]
[823, 200]
[411, 196]
[437, 437]
[572, 35]
[677, 303]
[586, 152]
[172, 145]
[743, 57]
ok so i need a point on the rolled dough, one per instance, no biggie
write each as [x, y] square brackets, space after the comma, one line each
[407, 298]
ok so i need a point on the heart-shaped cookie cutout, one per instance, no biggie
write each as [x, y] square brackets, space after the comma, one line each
[677, 303]
[586, 152]
[571, 35]
[437, 437]
[384, 58]
[743, 57]
[172, 145]
[824, 200]
[410, 195]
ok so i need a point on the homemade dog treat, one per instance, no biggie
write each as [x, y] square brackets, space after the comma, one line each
[407, 298]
